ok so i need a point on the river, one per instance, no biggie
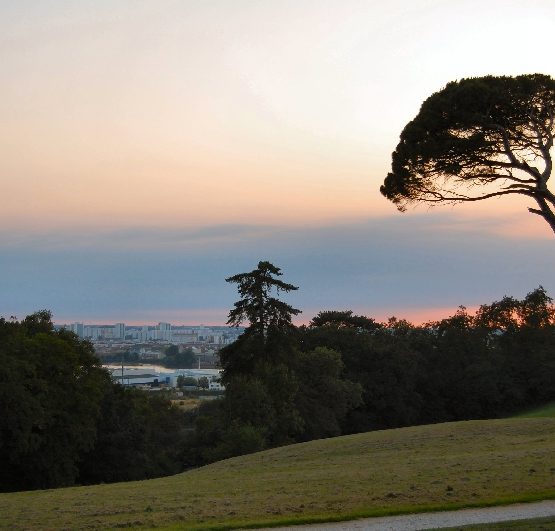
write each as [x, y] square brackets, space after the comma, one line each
[159, 369]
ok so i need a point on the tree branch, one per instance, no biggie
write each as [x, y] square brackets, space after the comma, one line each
[439, 197]
[508, 151]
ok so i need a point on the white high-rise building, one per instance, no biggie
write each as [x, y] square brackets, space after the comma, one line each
[144, 334]
[78, 329]
[119, 331]
[164, 332]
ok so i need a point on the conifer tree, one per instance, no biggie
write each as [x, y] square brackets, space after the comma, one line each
[258, 306]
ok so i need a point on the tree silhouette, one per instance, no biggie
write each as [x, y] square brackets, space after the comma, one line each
[476, 139]
[258, 306]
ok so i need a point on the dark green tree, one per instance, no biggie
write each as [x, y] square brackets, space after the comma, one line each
[178, 360]
[379, 358]
[261, 363]
[50, 403]
[462, 376]
[536, 310]
[171, 350]
[258, 305]
[63, 420]
[523, 332]
[183, 381]
[344, 319]
[476, 139]
[324, 397]
[268, 336]
[140, 436]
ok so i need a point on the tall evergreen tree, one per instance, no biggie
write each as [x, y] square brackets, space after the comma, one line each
[258, 306]
[263, 358]
[268, 337]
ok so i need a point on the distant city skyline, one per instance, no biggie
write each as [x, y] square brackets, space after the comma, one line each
[162, 333]
[122, 327]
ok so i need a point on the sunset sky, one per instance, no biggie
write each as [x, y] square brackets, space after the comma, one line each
[149, 149]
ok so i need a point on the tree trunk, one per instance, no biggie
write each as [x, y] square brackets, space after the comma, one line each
[544, 211]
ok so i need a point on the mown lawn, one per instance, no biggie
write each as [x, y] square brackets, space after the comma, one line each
[386, 472]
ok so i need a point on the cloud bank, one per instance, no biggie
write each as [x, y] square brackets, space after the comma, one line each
[398, 265]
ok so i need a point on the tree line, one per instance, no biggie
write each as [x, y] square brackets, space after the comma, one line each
[63, 421]
[346, 373]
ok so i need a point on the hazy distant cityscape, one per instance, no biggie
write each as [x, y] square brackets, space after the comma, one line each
[161, 333]
[149, 343]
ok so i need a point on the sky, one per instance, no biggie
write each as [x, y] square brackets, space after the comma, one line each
[150, 149]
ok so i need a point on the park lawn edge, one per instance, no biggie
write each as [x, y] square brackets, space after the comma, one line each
[526, 524]
[359, 514]
[375, 513]
[324, 514]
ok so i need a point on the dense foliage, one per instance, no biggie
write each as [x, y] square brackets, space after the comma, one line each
[63, 421]
[176, 359]
[276, 393]
[462, 367]
[345, 373]
[479, 138]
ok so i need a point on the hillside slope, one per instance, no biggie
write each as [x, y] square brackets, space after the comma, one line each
[384, 472]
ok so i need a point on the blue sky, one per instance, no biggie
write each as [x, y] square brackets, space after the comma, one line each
[413, 266]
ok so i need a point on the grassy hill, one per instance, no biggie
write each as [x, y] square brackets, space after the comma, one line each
[386, 472]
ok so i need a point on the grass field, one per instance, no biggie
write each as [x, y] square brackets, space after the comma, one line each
[420, 468]
[186, 404]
